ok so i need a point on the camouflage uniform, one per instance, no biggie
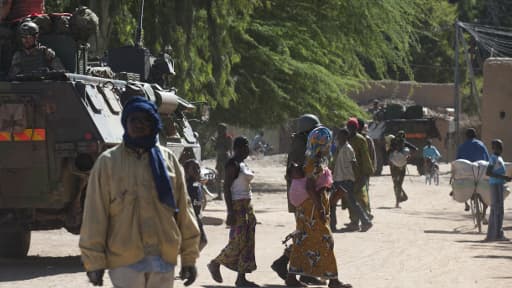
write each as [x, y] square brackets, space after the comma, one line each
[35, 59]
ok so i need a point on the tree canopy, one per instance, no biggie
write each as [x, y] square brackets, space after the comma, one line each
[261, 62]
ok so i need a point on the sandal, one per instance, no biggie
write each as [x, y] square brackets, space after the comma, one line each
[214, 269]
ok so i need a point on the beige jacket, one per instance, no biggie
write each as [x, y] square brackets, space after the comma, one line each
[123, 219]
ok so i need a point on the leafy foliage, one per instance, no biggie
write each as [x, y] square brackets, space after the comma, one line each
[261, 62]
[433, 57]
[303, 57]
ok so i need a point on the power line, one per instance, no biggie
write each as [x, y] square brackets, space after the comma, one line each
[496, 40]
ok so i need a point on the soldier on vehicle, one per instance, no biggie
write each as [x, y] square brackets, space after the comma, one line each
[33, 56]
[375, 107]
[376, 111]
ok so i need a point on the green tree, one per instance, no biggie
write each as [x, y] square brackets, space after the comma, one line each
[259, 63]
[433, 57]
[305, 56]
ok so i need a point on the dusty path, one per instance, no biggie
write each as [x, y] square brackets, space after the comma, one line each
[430, 242]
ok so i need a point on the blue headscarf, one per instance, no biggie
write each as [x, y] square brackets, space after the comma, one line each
[318, 150]
[156, 159]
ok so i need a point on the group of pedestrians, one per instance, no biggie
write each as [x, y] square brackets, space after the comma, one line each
[362, 146]
[138, 215]
[309, 179]
[345, 166]
[314, 210]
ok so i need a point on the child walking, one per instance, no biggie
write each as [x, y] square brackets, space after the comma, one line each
[195, 192]
[496, 172]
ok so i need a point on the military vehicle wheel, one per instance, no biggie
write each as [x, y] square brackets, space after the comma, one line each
[14, 242]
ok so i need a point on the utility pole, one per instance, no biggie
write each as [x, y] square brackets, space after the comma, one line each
[456, 84]
[138, 34]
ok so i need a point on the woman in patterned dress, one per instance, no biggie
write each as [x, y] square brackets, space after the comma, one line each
[312, 253]
[238, 255]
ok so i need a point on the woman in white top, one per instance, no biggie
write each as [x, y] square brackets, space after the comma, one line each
[238, 255]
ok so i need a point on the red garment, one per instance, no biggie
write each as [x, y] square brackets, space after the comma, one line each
[23, 8]
[353, 121]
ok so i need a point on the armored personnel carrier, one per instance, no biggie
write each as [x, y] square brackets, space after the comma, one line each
[53, 126]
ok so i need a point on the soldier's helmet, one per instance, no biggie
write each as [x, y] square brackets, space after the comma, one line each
[28, 28]
[307, 122]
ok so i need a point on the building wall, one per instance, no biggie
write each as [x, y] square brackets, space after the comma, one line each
[431, 95]
[496, 109]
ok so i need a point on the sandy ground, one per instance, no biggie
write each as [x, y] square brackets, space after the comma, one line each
[429, 242]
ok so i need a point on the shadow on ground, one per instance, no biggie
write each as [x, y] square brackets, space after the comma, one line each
[494, 257]
[35, 266]
[268, 187]
[454, 231]
[214, 221]
[262, 285]
[461, 216]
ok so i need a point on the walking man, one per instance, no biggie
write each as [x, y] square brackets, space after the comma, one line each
[362, 173]
[138, 216]
[223, 143]
[497, 178]
[400, 150]
[344, 166]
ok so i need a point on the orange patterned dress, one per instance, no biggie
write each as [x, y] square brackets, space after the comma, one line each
[312, 253]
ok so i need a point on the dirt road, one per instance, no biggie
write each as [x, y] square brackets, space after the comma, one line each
[429, 242]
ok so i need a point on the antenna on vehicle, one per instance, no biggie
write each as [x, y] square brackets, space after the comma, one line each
[138, 35]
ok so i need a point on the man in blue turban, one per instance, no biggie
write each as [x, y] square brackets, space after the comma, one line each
[137, 209]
